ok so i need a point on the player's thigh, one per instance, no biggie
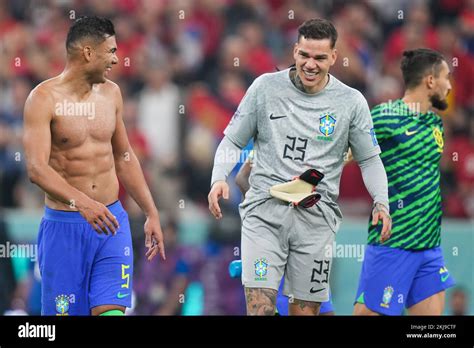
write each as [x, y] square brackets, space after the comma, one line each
[327, 307]
[302, 307]
[426, 295]
[264, 248]
[433, 305]
[385, 279]
[309, 262]
[260, 301]
[66, 250]
[112, 272]
[361, 309]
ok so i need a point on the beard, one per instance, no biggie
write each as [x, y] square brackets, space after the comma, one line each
[438, 103]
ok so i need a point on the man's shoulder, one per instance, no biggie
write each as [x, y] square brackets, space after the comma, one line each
[108, 87]
[109, 84]
[43, 92]
[271, 78]
[347, 92]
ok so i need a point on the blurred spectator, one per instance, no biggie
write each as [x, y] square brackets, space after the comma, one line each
[140, 147]
[258, 54]
[11, 131]
[158, 116]
[355, 64]
[459, 157]
[467, 25]
[7, 279]
[415, 32]
[458, 301]
[461, 64]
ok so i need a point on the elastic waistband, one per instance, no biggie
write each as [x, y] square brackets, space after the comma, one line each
[74, 216]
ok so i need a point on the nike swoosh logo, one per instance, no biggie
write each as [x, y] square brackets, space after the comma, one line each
[408, 133]
[276, 117]
[120, 295]
[315, 291]
[444, 278]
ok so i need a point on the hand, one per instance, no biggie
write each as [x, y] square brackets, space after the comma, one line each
[97, 214]
[154, 238]
[218, 190]
[380, 212]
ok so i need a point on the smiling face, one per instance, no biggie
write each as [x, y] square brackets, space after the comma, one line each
[100, 59]
[313, 58]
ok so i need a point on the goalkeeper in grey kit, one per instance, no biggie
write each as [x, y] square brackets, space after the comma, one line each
[303, 121]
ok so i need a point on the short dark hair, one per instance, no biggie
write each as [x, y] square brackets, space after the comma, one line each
[418, 63]
[318, 29]
[97, 28]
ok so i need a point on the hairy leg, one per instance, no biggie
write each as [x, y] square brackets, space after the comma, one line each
[433, 305]
[361, 309]
[260, 301]
[301, 307]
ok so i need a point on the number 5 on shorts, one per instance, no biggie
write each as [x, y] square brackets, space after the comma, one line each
[125, 276]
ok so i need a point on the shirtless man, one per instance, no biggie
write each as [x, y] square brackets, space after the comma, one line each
[76, 146]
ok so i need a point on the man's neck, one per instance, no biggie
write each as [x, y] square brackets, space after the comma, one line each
[295, 79]
[417, 101]
[77, 81]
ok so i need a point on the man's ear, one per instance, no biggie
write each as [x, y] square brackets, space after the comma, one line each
[87, 52]
[430, 81]
[334, 56]
[295, 50]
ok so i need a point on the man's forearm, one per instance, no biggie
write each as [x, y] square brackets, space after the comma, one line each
[242, 177]
[131, 176]
[375, 179]
[55, 185]
[227, 156]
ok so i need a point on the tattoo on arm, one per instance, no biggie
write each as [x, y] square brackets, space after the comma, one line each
[379, 207]
[260, 301]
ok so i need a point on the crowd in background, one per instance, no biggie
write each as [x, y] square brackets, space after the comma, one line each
[184, 66]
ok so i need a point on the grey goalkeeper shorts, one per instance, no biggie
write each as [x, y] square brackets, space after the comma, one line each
[279, 240]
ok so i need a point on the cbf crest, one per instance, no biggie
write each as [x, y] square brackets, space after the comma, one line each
[438, 137]
[62, 305]
[261, 269]
[327, 125]
[387, 296]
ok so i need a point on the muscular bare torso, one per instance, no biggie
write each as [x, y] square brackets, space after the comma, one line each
[81, 148]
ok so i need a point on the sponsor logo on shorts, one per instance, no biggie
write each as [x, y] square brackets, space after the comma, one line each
[120, 295]
[62, 305]
[387, 297]
[261, 269]
[443, 271]
[327, 125]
